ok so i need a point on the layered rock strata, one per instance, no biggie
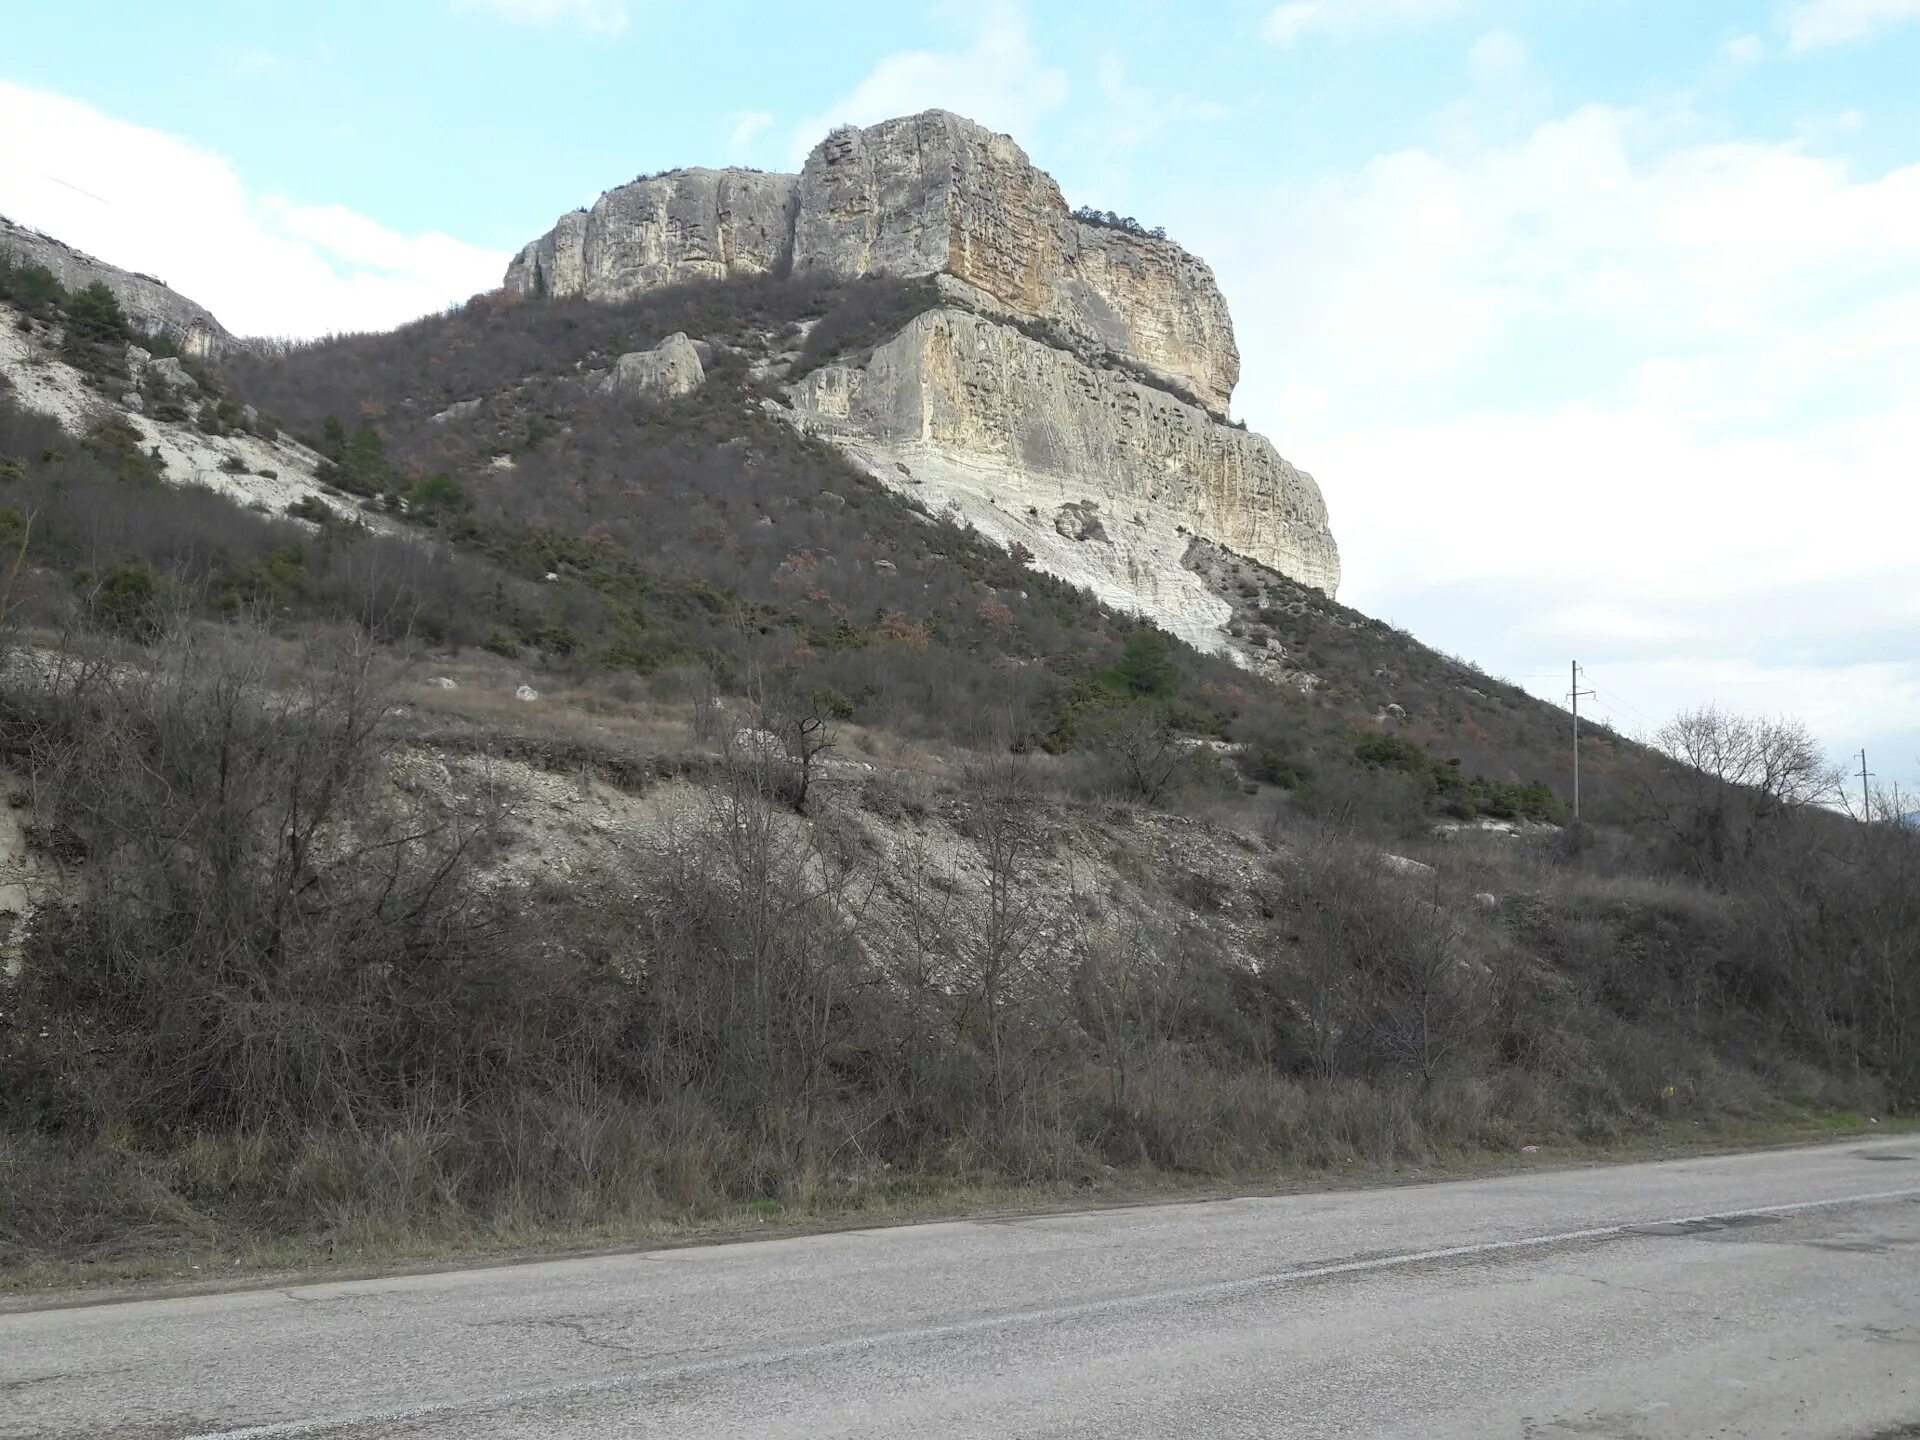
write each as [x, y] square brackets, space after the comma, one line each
[928, 194]
[1103, 478]
[150, 305]
[1017, 405]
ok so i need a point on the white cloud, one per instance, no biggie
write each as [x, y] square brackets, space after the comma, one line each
[1346, 19]
[998, 80]
[1813, 24]
[1606, 386]
[1498, 58]
[597, 17]
[744, 127]
[1747, 50]
[263, 265]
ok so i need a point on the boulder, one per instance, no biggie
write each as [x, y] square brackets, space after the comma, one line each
[672, 368]
[170, 377]
[459, 410]
[1401, 865]
[759, 744]
[1080, 521]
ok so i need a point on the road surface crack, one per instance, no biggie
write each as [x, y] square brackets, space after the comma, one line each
[572, 1325]
[1617, 1285]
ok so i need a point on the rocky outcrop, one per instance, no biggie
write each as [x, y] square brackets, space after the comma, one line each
[935, 194]
[672, 368]
[661, 230]
[1067, 394]
[1063, 433]
[149, 305]
[929, 194]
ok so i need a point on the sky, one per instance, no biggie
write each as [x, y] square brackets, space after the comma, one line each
[1598, 321]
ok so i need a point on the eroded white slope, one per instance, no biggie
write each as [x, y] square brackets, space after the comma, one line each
[272, 474]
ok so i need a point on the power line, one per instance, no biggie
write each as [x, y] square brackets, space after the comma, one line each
[1619, 699]
[75, 188]
[1866, 796]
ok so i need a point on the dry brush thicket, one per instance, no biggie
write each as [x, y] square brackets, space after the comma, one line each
[280, 994]
[1078, 898]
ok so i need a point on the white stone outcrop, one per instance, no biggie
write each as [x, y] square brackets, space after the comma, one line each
[1101, 457]
[662, 230]
[670, 369]
[148, 303]
[928, 194]
[1067, 393]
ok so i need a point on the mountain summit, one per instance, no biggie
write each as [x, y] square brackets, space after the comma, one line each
[1066, 386]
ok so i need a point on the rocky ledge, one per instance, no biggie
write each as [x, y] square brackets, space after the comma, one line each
[928, 194]
[150, 305]
[1068, 393]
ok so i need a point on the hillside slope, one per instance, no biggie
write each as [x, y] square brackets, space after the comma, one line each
[1065, 359]
[593, 803]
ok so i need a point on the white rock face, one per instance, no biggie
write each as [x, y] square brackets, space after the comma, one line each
[928, 194]
[148, 303]
[1017, 405]
[272, 474]
[685, 225]
[1033, 429]
[672, 368]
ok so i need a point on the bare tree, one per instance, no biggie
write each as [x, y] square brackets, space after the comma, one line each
[1384, 978]
[1736, 777]
[1149, 756]
[1004, 935]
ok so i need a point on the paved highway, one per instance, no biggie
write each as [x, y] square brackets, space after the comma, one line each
[1768, 1295]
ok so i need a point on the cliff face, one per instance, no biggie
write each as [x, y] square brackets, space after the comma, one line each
[1017, 405]
[979, 391]
[684, 225]
[1103, 478]
[149, 304]
[930, 194]
[935, 194]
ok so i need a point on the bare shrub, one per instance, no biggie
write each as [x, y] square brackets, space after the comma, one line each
[1736, 777]
[1146, 756]
[1387, 981]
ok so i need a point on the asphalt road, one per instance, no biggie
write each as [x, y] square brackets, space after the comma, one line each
[1773, 1295]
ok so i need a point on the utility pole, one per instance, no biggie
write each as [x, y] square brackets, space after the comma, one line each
[1866, 796]
[1575, 695]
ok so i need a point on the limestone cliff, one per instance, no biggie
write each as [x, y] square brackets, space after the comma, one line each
[929, 194]
[149, 304]
[1069, 392]
[935, 194]
[661, 230]
[1102, 478]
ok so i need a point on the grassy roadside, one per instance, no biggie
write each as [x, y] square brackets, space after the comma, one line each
[240, 1262]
